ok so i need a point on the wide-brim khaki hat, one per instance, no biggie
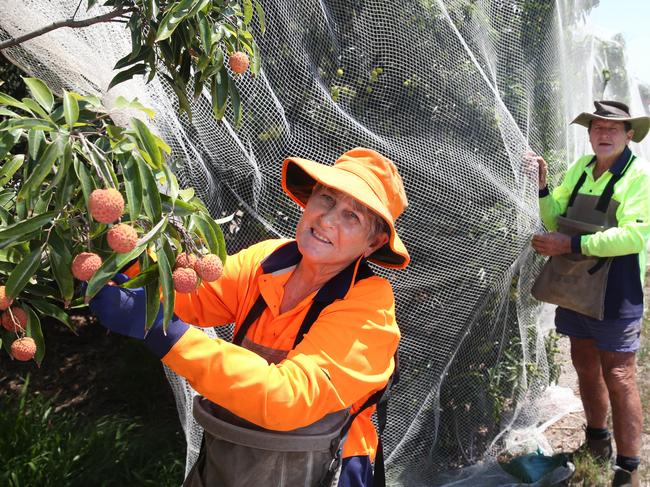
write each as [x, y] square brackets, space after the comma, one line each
[369, 178]
[617, 112]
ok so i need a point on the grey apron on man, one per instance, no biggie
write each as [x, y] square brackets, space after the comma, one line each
[575, 281]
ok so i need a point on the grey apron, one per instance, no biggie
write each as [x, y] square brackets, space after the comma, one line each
[575, 281]
[238, 453]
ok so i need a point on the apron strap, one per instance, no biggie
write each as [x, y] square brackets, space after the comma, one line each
[578, 185]
[606, 197]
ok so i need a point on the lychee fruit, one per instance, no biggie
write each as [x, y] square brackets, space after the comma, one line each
[185, 280]
[85, 264]
[14, 320]
[122, 238]
[238, 62]
[185, 260]
[106, 205]
[23, 349]
[209, 267]
[5, 301]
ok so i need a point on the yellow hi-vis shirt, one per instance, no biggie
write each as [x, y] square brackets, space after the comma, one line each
[345, 357]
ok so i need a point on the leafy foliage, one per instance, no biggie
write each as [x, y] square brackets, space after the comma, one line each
[190, 40]
[53, 154]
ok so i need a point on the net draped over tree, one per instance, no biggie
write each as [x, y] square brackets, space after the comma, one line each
[454, 92]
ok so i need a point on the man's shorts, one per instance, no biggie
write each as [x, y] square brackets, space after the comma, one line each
[618, 335]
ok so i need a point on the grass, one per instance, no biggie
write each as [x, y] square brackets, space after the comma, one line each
[98, 412]
[41, 447]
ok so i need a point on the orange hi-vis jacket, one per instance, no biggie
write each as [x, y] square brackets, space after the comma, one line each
[345, 357]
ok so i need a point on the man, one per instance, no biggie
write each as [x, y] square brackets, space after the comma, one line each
[599, 222]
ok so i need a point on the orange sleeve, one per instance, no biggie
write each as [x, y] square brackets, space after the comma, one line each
[224, 301]
[347, 354]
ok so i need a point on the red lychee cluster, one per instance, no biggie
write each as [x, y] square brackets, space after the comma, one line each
[238, 62]
[23, 349]
[209, 267]
[14, 319]
[185, 280]
[122, 238]
[185, 260]
[189, 269]
[106, 205]
[85, 264]
[5, 301]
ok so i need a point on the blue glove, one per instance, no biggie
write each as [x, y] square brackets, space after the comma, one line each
[123, 311]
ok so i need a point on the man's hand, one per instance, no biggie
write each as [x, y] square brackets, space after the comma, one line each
[553, 243]
[121, 310]
[535, 164]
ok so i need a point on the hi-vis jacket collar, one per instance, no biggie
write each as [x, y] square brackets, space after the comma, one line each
[288, 255]
[621, 163]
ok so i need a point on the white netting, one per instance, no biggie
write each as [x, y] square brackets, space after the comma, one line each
[453, 92]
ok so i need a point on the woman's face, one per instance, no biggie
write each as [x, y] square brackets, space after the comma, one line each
[334, 230]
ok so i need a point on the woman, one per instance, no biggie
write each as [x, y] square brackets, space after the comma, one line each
[315, 334]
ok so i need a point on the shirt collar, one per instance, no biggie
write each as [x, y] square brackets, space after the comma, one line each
[620, 163]
[337, 287]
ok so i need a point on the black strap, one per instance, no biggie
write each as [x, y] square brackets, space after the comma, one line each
[576, 188]
[251, 317]
[606, 197]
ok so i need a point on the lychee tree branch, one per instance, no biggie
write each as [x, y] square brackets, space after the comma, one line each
[74, 24]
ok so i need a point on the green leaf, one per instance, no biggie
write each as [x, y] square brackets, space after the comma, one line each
[48, 309]
[108, 269]
[205, 33]
[165, 257]
[30, 123]
[219, 93]
[129, 59]
[60, 265]
[87, 183]
[206, 231]
[152, 293]
[8, 113]
[171, 184]
[35, 143]
[24, 227]
[220, 247]
[147, 143]
[33, 329]
[36, 108]
[127, 74]
[260, 16]
[12, 102]
[40, 92]
[122, 102]
[248, 11]
[235, 100]
[149, 275]
[23, 272]
[150, 193]
[70, 110]
[43, 167]
[178, 207]
[10, 167]
[153, 233]
[133, 186]
[173, 17]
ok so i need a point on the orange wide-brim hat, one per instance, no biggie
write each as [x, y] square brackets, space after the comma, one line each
[365, 175]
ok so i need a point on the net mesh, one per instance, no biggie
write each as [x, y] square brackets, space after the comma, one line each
[453, 92]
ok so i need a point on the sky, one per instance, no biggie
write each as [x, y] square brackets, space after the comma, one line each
[632, 19]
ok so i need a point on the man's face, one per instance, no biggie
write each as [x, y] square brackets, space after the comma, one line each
[608, 138]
